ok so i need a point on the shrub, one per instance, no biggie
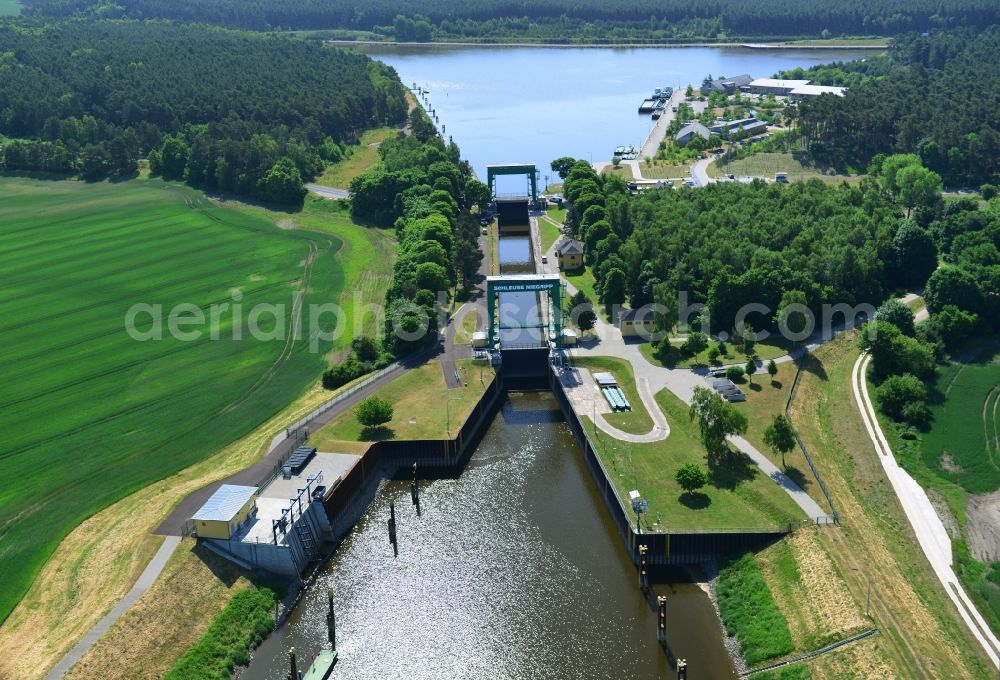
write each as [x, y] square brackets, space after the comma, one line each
[897, 392]
[735, 373]
[343, 373]
[691, 477]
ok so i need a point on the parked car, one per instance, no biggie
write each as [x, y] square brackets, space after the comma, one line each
[781, 177]
[735, 396]
[545, 259]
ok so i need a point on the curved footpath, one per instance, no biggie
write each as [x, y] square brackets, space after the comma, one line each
[930, 532]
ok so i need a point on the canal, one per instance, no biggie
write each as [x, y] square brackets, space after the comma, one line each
[534, 104]
[513, 571]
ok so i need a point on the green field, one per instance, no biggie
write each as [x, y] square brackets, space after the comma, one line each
[89, 414]
[767, 164]
[962, 444]
[738, 496]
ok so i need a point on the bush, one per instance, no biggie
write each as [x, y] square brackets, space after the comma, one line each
[749, 612]
[899, 315]
[365, 348]
[713, 354]
[897, 392]
[374, 412]
[691, 477]
[735, 373]
[343, 373]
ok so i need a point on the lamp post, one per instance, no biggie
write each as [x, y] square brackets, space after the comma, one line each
[639, 504]
[868, 597]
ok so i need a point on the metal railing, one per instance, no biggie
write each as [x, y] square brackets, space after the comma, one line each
[805, 452]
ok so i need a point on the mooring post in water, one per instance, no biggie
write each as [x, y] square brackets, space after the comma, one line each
[682, 669]
[331, 623]
[293, 674]
[661, 620]
[392, 529]
[415, 490]
[643, 567]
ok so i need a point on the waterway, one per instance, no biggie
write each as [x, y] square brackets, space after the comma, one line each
[513, 571]
[534, 104]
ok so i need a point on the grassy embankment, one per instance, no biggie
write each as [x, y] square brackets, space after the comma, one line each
[636, 421]
[749, 612]
[463, 334]
[549, 230]
[71, 593]
[921, 634]
[738, 495]
[361, 156]
[410, 395]
[246, 620]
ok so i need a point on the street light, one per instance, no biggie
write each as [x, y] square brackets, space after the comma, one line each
[640, 505]
[868, 598]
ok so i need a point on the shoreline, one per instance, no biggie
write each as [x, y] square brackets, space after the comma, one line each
[731, 45]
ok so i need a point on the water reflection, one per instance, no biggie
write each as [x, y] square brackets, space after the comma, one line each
[512, 571]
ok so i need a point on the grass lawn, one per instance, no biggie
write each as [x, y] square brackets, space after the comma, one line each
[664, 170]
[749, 612]
[548, 232]
[410, 395]
[557, 213]
[920, 631]
[624, 171]
[89, 414]
[738, 495]
[583, 279]
[366, 257]
[363, 156]
[463, 334]
[767, 164]
[636, 421]
[768, 349]
[10, 7]
[916, 304]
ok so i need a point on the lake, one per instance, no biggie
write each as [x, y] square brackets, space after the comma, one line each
[534, 104]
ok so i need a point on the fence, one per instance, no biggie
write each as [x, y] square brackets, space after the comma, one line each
[809, 655]
[812, 466]
[346, 394]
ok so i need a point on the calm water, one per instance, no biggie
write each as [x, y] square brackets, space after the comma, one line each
[514, 571]
[531, 105]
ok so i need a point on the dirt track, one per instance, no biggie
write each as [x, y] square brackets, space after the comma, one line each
[982, 526]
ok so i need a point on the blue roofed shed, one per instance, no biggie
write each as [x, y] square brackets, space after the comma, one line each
[225, 512]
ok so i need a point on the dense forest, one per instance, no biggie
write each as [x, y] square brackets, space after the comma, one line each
[731, 244]
[225, 110]
[937, 96]
[555, 20]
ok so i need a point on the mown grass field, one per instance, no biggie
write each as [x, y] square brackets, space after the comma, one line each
[767, 164]
[962, 444]
[89, 414]
[738, 495]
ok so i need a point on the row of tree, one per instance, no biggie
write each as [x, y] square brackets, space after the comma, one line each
[224, 110]
[423, 189]
[934, 95]
[556, 19]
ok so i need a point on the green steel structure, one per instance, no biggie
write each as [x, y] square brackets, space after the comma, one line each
[524, 283]
[494, 171]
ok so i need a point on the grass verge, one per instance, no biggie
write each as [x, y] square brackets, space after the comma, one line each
[548, 232]
[362, 156]
[246, 620]
[749, 612]
[413, 418]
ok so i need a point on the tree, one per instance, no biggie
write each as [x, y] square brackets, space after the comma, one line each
[432, 276]
[899, 315]
[374, 412]
[894, 353]
[952, 325]
[735, 373]
[780, 436]
[365, 348]
[751, 368]
[716, 418]
[691, 477]
[614, 288]
[953, 286]
[477, 194]
[562, 166]
[888, 167]
[897, 391]
[696, 342]
[791, 316]
[772, 369]
[918, 187]
[173, 158]
[916, 255]
[665, 311]
[282, 184]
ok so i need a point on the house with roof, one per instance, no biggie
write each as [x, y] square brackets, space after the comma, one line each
[691, 130]
[225, 512]
[810, 91]
[570, 254]
[726, 86]
[776, 86]
[636, 322]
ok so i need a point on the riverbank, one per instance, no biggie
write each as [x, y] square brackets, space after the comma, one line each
[793, 45]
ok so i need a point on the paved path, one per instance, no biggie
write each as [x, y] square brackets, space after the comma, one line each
[930, 531]
[328, 192]
[608, 341]
[659, 131]
[146, 579]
